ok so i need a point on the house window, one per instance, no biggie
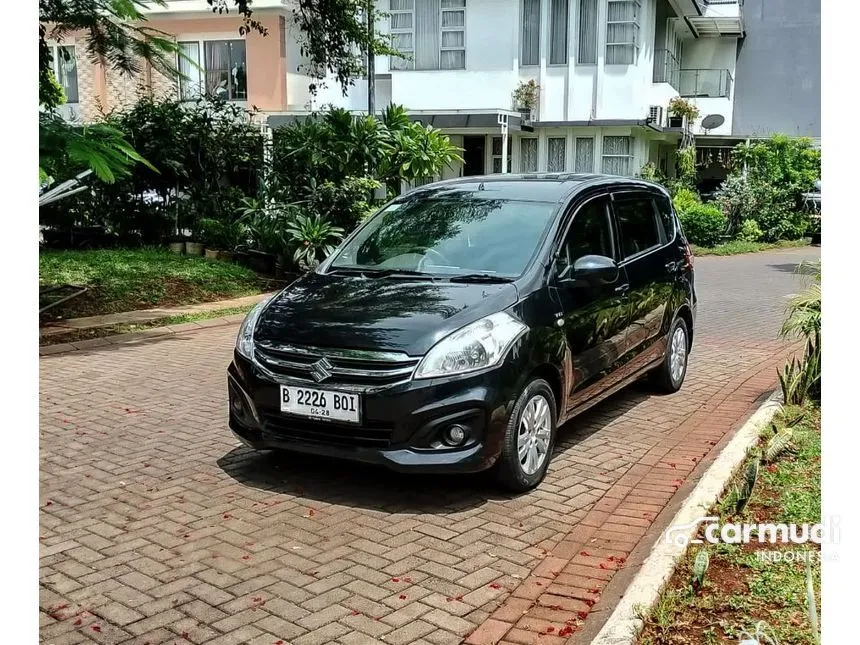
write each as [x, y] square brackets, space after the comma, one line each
[587, 50]
[530, 54]
[558, 32]
[528, 155]
[497, 154]
[65, 68]
[556, 153]
[584, 155]
[622, 31]
[431, 34]
[617, 155]
[221, 72]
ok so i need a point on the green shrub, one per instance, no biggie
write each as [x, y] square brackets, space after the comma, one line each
[749, 231]
[703, 224]
[346, 203]
[685, 199]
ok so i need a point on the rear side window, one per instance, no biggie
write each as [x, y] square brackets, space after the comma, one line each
[667, 218]
[638, 225]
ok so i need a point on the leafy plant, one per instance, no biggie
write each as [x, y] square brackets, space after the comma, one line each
[685, 163]
[777, 445]
[344, 204]
[747, 486]
[220, 234]
[700, 569]
[749, 231]
[802, 379]
[316, 239]
[526, 95]
[650, 172]
[685, 198]
[703, 224]
[681, 107]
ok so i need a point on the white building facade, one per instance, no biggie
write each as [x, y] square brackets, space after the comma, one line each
[605, 69]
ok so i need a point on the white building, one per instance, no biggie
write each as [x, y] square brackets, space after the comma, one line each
[606, 70]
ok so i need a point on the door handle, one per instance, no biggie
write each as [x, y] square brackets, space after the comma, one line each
[622, 289]
[672, 266]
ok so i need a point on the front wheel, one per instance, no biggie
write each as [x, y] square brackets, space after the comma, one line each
[529, 438]
[669, 376]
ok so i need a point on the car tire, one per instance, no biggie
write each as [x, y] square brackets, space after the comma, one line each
[529, 438]
[669, 376]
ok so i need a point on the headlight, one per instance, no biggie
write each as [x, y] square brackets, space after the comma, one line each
[245, 339]
[476, 346]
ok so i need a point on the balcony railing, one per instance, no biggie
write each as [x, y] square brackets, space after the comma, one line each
[705, 83]
[666, 68]
[713, 2]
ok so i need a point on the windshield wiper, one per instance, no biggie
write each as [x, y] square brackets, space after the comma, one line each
[384, 273]
[479, 277]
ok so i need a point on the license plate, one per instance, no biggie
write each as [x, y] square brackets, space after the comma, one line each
[321, 404]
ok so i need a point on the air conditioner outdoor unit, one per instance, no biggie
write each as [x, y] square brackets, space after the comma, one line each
[655, 115]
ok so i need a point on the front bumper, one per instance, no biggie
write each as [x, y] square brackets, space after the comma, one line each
[402, 424]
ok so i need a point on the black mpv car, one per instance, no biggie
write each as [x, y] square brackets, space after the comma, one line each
[462, 324]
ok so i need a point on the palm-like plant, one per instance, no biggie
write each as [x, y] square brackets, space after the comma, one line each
[804, 321]
[316, 239]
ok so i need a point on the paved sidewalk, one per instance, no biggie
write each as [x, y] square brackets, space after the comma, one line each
[157, 527]
[144, 315]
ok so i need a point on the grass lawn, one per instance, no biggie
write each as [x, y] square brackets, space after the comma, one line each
[741, 588]
[125, 280]
[736, 247]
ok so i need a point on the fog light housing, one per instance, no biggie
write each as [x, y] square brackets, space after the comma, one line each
[455, 435]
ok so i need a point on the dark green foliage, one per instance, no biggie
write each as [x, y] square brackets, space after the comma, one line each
[203, 160]
[703, 224]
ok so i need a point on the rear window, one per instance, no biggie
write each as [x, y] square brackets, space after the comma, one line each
[664, 210]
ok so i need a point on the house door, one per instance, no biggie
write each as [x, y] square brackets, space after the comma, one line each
[474, 150]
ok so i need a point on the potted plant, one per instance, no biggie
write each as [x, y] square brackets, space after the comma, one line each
[682, 113]
[526, 97]
[213, 234]
[176, 244]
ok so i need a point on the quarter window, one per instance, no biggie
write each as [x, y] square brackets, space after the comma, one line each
[638, 225]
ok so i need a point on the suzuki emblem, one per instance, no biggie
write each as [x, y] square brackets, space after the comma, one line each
[321, 370]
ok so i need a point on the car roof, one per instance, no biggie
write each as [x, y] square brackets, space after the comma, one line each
[545, 187]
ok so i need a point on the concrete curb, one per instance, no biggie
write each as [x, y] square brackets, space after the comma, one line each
[138, 337]
[624, 623]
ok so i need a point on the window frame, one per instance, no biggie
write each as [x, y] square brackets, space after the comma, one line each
[55, 69]
[635, 44]
[409, 62]
[443, 29]
[570, 215]
[580, 14]
[537, 155]
[562, 138]
[625, 193]
[566, 32]
[201, 62]
[576, 140]
[522, 32]
[628, 156]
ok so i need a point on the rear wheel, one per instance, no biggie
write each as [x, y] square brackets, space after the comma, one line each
[529, 438]
[669, 376]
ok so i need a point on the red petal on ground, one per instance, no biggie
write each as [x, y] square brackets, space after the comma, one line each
[95, 628]
[495, 585]
[402, 597]
[395, 580]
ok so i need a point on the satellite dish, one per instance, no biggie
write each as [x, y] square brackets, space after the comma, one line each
[713, 121]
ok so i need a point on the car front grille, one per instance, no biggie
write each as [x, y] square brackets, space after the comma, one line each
[324, 432]
[335, 366]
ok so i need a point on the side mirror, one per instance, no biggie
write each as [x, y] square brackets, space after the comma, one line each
[595, 269]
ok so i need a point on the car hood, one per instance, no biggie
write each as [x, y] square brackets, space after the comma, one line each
[386, 314]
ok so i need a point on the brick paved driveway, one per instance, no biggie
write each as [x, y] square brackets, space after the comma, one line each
[157, 528]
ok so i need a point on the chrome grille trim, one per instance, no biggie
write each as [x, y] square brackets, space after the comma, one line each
[348, 367]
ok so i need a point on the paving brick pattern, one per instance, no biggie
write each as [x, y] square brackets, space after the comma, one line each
[156, 527]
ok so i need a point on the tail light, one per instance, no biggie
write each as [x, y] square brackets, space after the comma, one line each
[688, 256]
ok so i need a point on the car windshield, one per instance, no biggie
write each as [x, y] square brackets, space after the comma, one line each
[450, 235]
